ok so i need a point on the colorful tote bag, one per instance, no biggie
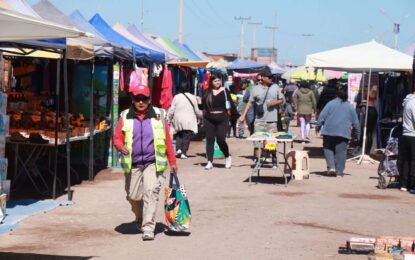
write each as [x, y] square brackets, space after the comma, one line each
[176, 206]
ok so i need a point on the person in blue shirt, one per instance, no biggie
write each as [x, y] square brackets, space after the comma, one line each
[338, 117]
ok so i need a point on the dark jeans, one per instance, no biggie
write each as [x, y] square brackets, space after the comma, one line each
[406, 161]
[372, 117]
[183, 139]
[335, 151]
[216, 126]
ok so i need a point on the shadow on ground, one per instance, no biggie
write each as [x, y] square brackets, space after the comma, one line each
[268, 180]
[24, 256]
[324, 174]
[314, 152]
[131, 228]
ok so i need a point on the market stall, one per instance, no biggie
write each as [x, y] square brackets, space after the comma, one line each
[370, 57]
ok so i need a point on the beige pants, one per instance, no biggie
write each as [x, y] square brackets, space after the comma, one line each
[143, 188]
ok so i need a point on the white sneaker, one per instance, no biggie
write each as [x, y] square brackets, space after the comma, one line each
[209, 165]
[183, 156]
[228, 162]
[404, 189]
[178, 152]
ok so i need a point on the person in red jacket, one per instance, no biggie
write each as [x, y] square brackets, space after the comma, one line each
[142, 137]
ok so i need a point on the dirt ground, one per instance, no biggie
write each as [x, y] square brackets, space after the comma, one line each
[308, 219]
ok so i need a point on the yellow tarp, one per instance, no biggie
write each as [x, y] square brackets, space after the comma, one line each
[36, 54]
[197, 64]
[77, 50]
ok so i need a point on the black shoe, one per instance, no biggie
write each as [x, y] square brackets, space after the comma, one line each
[37, 139]
[18, 137]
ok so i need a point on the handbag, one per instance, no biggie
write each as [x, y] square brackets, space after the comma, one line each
[176, 205]
[199, 122]
[260, 109]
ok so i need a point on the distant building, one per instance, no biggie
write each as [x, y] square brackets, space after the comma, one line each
[264, 55]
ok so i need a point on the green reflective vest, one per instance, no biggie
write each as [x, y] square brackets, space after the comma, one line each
[159, 135]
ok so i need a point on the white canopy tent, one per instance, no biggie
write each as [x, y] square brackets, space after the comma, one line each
[361, 57]
[19, 27]
[366, 57]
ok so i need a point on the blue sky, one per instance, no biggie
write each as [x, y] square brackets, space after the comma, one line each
[209, 25]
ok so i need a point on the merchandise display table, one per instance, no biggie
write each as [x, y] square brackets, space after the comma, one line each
[27, 157]
[268, 145]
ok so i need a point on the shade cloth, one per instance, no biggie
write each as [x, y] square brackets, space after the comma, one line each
[361, 57]
[120, 52]
[170, 56]
[83, 48]
[140, 52]
[18, 27]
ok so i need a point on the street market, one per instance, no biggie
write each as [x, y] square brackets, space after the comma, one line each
[112, 136]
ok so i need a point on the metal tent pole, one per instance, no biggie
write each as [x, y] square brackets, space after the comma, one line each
[364, 156]
[68, 144]
[57, 107]
[91, 126]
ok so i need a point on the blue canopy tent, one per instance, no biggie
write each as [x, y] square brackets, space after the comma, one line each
[187, 51]
[120, 52]
[247, 66]
[139, 51]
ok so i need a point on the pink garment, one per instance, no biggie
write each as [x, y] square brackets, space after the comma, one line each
[166, 97]
[121, 77]
[138, 77]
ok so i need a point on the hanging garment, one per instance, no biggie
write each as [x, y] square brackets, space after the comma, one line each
[166, 97]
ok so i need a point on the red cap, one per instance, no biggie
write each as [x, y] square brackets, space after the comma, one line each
[140, 90]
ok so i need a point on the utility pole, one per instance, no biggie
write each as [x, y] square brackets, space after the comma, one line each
[396, 29]
[142, 16]
[306, 42]
[272, 30]
[181, 21]
[254, 34]
[242, 19]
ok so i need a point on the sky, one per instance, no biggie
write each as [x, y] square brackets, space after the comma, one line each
[210, 25]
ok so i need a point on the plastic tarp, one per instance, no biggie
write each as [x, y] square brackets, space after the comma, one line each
[132, 29]
[18, 27]
[361, 57]
[168, 44]
[187, 51]
[275, 68]
[121, 52]
[247, 66]
[124, 32]
[140, 52]
[22, 7]
[79, 48]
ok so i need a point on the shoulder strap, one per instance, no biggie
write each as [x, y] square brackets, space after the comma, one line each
[265, 98]
[191, 103]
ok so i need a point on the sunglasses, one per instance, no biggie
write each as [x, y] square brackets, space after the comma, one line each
[140, 98]
[259, 79]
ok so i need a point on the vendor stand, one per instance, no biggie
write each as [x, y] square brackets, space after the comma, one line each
[268, 145]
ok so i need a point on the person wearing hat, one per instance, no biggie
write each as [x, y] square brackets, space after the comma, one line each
[268, 97]
[142, 137]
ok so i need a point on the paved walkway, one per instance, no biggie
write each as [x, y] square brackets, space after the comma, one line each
[309, 219]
